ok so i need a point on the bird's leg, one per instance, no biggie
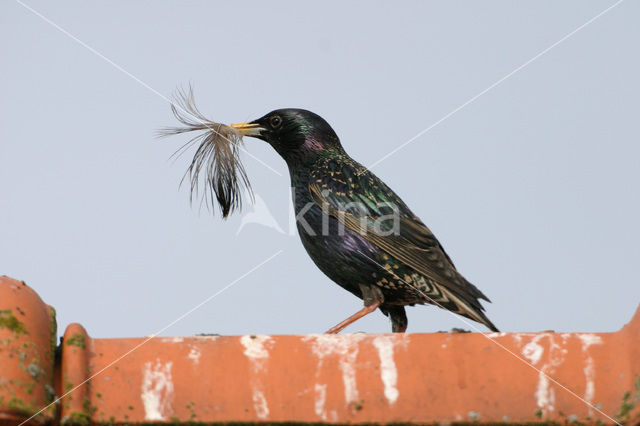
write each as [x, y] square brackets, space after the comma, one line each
[398, 319]
[362, 312]
[373, 298]
[398, 327]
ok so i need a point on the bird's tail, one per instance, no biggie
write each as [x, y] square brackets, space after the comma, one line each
[469, 311]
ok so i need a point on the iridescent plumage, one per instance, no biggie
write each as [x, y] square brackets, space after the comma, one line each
[342, 208]
[357, 230]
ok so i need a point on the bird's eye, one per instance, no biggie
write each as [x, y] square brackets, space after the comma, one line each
[275, 121]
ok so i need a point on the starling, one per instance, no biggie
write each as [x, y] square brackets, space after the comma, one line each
[357, 230]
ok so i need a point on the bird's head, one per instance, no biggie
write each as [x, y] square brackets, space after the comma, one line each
[297, 135]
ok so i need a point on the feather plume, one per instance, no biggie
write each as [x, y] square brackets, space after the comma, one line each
[217, 156]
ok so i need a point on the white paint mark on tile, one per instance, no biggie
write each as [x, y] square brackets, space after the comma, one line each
[157, 390]
[207, 336]
[545, 394]
[254, 346]
[589, 368]
[388, 370]
[517, 337]
[589, 339]
[345, 346]
[260, 404]
[256, 349]
[173, 340]
[320, 400]
[534, 351]
[347, 365]
[333, 344]
[194, 355]
[495, 334]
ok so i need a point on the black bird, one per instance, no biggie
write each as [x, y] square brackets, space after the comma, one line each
[357, 230]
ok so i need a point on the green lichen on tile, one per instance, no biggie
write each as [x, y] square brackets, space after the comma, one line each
[35, 371]
[192, 410]
[53, 332]
[625, 407]
[76, 419]
[10, 322]
[76, 340]
[357, 405]
[80, 418]
[474, 416]
[49, 392]
[28, 387]
[68, 396]
[88, 408]
[573, 420]
[538, 413]
[21, 406]
[629, 402]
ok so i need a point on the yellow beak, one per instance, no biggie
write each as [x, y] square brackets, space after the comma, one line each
[248, 129]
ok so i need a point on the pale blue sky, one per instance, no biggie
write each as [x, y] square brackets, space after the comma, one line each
[532, 188]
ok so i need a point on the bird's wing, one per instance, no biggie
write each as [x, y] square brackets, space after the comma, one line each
[363, 203]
